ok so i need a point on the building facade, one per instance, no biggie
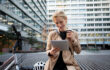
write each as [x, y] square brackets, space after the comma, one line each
[29, 17]
[90, 18]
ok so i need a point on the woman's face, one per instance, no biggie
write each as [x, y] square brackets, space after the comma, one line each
[60, 23]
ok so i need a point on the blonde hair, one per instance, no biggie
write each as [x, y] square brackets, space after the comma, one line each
[59, 14]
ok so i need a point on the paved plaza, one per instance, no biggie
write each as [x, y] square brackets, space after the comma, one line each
[88, 60]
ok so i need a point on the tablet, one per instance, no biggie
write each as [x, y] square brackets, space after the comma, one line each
[62, 44]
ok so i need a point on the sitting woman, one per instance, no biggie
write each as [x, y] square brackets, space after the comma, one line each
[62, 60]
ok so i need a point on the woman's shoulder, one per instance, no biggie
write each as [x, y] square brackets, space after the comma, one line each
[52, 32]
[75, 32]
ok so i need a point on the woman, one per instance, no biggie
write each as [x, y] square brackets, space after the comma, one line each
[62, 60]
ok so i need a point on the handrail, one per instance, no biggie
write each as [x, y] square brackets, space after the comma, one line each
[10, 65]
[7, 62]
[18, 45]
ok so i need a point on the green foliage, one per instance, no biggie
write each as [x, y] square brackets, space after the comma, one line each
[1, 53]
[3, 41]
[32, 40]
[6, 37]
[39, 47]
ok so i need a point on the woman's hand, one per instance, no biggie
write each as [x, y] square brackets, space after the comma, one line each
[70, 35]
[54, 50]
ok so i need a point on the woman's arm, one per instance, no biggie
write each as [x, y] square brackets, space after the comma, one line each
[73, 38]
[51, 51]
[48, 47]
[76, 44]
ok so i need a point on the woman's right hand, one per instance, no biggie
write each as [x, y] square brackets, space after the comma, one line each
[54, 50]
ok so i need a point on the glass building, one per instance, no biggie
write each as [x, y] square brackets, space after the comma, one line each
[29, 17]
[90, 18]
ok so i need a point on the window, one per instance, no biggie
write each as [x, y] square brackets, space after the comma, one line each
[90, 19]
[105, 34]
[81, 0]
[89, 0]
[89, 5]
[98, 24]
[51, 1]
[98, 14]
[98, 34]
[98, 9]
[106, 24]
[90, 24]
[97, 0]
[50, 20]
[106, 19]
[66, 0]
[106, 14]
[51, 11]
[105, 0]
[90, 29]
[108, 40]
[98, 19]
[89, 14]
[106, 29]
[83, 29]
[81, 10]
[100, 29]
[108, 34]
[105, 9]
[58, 1]
[82, 40]
[82, 15]
[89, 9]
[83, 35]
[81, 5]
[105, 4]
[91, 34]
[50, 15]
[97, 4]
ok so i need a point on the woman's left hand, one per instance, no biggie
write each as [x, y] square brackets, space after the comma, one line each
[70, 35]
